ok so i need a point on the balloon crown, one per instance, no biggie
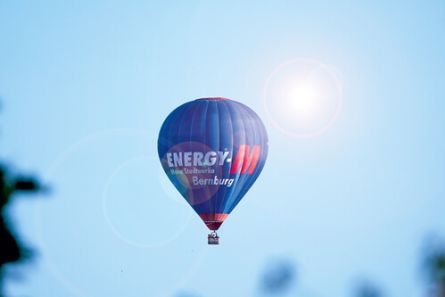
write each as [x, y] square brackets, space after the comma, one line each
[213, 98]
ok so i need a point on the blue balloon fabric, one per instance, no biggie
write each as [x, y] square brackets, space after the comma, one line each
[213, 150]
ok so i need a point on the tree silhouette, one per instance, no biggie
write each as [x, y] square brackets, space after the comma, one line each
[278, 277]
[367, 289]
[434, 266]
[12, 251]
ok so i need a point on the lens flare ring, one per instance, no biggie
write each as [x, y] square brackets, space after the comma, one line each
[113, 227]
[49, 174]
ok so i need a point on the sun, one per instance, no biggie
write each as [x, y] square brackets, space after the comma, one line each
[303, 98]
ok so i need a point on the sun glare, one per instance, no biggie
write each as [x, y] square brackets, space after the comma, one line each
[303, 97]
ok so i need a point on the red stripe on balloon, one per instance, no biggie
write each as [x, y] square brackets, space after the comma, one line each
[253, 158]
[213, 220]
[247, 161]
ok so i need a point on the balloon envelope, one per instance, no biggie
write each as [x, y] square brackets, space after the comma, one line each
[213, 150]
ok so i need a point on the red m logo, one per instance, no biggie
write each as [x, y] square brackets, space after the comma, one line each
[247, 162]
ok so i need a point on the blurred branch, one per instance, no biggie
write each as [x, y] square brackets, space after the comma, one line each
[434, 265]
[10, 185]
[368, 289]
[278, 277]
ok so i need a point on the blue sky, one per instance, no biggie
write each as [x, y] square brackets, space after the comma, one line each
[86, 85]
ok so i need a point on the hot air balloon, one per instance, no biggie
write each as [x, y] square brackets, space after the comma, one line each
[213, 150]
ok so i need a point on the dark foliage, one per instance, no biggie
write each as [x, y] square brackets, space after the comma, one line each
[278, 277]
[368, 289]
[434, 265]
[10, 186]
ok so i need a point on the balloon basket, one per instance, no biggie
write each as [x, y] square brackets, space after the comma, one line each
[213, 238]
